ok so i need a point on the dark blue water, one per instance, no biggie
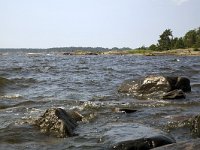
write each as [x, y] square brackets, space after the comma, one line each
[32, 82]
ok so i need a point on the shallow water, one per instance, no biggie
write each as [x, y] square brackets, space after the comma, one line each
[32, 82]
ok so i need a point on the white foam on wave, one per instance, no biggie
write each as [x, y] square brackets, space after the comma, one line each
[12, 96]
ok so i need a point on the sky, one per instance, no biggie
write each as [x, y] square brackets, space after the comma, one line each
[93, 23]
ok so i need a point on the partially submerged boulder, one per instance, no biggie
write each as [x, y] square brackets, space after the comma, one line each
[56, 122]
[143, 143]
[157, 86]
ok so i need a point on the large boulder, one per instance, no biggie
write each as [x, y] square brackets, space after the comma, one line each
[156, 86]
[143, 143]
[56, 122]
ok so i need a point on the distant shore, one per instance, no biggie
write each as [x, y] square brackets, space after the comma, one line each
[178, 52]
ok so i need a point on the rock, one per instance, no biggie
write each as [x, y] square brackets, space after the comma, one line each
[195, 125]
[57, 122]
[185, 145]
[126, 110]
[156, 86]
[125, 136]
[143, 143]
[183, 83]
[91, 53]
[68, 53]
[175, 94]
[76, 115]
[154, 83]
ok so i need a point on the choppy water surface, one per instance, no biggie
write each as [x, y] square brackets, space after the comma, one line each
[32, 82]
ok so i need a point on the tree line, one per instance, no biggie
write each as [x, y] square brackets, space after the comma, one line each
[167, 41]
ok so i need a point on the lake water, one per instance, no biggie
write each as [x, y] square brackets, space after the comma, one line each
[30, 83]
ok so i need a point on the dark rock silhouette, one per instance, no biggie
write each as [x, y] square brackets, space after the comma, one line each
[126, 110]
[185, 145]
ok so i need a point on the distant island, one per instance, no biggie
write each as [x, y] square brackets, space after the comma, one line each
[167, 44]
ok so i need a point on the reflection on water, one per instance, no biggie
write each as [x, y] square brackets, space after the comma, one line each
[32, 82]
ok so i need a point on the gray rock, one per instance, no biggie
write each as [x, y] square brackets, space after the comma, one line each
[56, 122]
[143, 143]
[185, 145]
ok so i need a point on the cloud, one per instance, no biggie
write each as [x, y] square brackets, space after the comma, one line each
[179, 2]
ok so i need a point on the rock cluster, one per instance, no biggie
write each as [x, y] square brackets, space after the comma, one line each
[157, 87]
[59, 123]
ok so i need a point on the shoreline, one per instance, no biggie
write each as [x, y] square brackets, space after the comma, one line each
[175, 52]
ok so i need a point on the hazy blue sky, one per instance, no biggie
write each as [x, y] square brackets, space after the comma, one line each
[105, 23]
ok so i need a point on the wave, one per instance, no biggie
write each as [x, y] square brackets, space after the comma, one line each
[4, 82]
[14, 84]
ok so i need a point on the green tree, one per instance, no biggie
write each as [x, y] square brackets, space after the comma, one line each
[190, 38]
[165, 42]
[197, 44]
[143, 47]
[153, 47]
[179, 43]
[174, 43]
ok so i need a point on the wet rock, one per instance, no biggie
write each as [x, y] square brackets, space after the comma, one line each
[156, 86]
[56, 122]
[125, 136]
[185, 145]
[126, 110]
[76, 115]
[175, 94]
[195, 125]
[143, 143]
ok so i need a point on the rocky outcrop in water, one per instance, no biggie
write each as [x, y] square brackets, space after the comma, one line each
[143, 143]
[157, 87]
[56, 122]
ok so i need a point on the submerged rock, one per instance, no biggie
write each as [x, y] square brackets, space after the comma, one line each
[143, 143]
[57, 122]
[126, 110]
[185, 145]
[156, 86]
